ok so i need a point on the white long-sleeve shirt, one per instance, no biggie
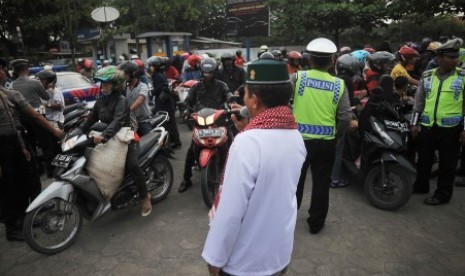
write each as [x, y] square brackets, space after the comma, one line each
[253, 230]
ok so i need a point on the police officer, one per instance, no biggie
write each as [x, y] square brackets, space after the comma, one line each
[18, 175]
[208, 92]
[319, 100]
[437, 123]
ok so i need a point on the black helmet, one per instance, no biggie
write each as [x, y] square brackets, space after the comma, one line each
[208, 65]
[47, 75]
[226, 55]
[283, 51]
[381, 62]
[239, 52]
[156, 62]
[130, 68]
[349, 64]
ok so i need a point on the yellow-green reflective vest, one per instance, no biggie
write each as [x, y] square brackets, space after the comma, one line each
[443, 105]
[316, 97]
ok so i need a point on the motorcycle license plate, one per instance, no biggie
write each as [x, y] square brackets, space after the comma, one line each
[400, 126]
[210, 132]
[61, 161]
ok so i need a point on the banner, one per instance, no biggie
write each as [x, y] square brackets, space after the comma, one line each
[247, 18]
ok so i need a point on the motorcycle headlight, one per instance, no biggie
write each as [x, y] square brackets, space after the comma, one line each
[201, 121]
[210, 120]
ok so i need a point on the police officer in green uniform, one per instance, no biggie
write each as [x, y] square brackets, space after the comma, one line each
[437, 122]
[319, 101]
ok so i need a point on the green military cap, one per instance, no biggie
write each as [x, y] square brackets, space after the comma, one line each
[19, 62]
[451, 48]
[267, 71]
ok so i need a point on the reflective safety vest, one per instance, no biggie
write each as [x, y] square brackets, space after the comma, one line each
[444, 99]
[316, 98]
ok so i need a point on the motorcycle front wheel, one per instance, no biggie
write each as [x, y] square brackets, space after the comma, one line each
[53, 226]
[394, 192]
[159, 178]
[210, 180]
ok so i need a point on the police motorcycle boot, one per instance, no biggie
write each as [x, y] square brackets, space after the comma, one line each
[146, 205]
[185, 185]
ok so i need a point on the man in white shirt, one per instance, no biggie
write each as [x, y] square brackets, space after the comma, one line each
[252, 232]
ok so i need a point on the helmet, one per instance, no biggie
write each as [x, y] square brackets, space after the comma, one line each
[139, 63]
[294, 58]
[239, 52]
[369, 50]
[406, 52]
[131, 69]
[414, 46]
[208, 65]
[80, 60]
[88, 63]
[361, 56]
[263, 48]
[347, 63]
[322, 45]
[266, 55]
[106, 62]
[194, 60]
[185, 55]
[134, 57]
[111, 74]
[226, 55]
[47, 75]
[121, 58]
[283, 51]
[426, 41]
[381, 61]
[276, 53]
[345, 49]
[432, 46]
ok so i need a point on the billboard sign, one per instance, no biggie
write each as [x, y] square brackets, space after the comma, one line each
[247, 18]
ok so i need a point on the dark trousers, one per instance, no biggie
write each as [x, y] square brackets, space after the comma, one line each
[18, 181]
[189, 162]
[446, 142]
[132, 165]
[173, 128]
[320, 156]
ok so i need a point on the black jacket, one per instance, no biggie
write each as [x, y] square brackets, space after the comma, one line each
[233, 78]
[212, 94]
[112, 110]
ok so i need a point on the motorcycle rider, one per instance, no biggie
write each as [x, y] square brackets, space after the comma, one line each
[192, 72]
[319, 100]
[88, 71]
[239, 60]
[379, 63]
[294, 59]
[408, 57]
[137, 95]
[262, 50]
[112, 108]
[439, 108]
[229, 73]
[208, 92]
[164, 99]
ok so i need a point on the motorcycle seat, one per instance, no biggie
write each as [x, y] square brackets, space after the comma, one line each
[157, 120]
[147, 141]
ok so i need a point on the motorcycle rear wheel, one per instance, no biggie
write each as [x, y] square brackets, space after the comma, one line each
[53, 226]
[159, 178]
[210, 180]
[396, 191]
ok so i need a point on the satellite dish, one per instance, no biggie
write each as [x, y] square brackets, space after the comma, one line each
[105, 14]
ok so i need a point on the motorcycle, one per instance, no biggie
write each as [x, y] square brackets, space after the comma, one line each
[383, 165]
[54, 219]
[212, 137]
[75, 114]
[181, 91]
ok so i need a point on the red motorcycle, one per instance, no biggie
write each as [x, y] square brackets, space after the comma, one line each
[212, 138]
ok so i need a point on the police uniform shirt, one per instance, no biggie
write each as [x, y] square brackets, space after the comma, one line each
[31, 89]
[17, 103]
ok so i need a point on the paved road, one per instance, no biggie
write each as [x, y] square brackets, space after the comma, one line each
[357, 240]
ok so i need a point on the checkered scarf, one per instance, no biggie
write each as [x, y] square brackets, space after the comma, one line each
[279, 117]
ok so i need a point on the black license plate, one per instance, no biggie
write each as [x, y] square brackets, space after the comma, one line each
[61, 161]
[210, 132]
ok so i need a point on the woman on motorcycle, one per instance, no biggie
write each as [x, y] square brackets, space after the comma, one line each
[112, 109]
[407, 57]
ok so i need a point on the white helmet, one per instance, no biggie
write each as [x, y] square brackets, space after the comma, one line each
[121, 58]
[134, 57]
[322, 45]
[263, 48]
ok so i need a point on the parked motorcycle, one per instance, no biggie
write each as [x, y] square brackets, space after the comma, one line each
[383, 165]
[54, 219]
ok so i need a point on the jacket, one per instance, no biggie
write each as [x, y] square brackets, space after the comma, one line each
[212, 94]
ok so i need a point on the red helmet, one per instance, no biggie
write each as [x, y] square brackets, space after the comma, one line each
[139, 63]
[294, 58]
[406, 52]
[194, 60]
[369, 50]
[88, 63]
